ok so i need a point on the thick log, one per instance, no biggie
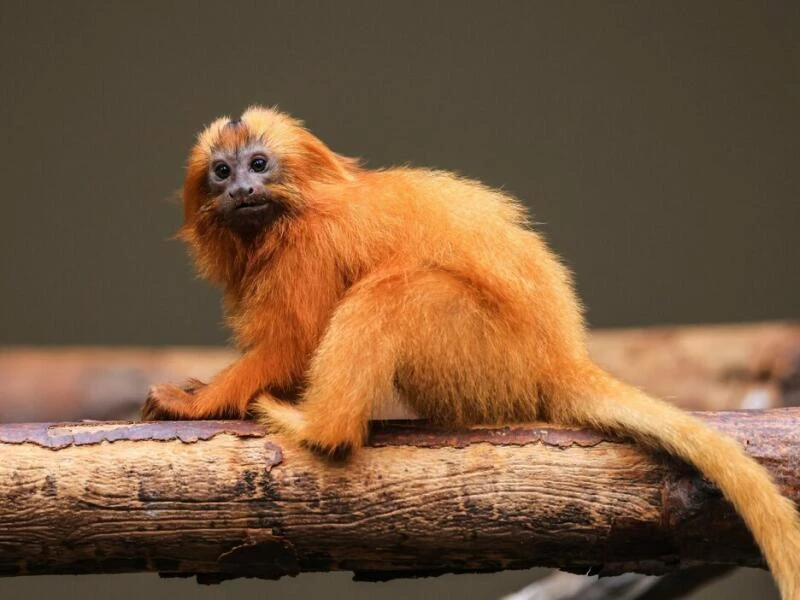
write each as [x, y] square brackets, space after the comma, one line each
[716, 367]
[224, 499]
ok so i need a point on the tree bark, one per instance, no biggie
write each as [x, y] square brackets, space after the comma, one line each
[223, 499]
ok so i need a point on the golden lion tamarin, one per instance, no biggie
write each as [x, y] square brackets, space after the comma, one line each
[343, 284]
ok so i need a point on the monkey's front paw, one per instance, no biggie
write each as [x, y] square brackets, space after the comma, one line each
[166, 403]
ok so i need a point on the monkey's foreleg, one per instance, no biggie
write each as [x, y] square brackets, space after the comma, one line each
[227, 396]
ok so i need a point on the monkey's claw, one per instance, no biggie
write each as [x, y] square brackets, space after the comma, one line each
[192, 386]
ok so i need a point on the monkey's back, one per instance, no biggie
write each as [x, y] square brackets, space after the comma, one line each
[441, 220]
[492, 310]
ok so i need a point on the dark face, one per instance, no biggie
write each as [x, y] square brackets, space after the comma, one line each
[239, 184]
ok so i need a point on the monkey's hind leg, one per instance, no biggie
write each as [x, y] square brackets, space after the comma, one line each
[383, 323]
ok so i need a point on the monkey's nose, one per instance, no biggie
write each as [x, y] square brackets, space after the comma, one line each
[241, 192]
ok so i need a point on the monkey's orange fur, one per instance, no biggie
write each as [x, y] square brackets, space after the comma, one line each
[429, 283]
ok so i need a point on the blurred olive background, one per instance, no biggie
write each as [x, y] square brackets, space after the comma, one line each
[657, 145]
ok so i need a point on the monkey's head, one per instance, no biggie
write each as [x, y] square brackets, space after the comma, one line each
[246, 176]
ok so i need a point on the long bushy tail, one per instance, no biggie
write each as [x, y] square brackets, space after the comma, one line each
[604, 403]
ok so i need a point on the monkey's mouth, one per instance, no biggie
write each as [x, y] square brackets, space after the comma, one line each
[255, 205]
[250, 215]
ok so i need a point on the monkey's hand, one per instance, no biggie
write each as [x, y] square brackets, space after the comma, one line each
[167, 403]
[226, 397]
[194, 401]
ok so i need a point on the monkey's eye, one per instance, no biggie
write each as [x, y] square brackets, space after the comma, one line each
[258, 164]
[222, 171]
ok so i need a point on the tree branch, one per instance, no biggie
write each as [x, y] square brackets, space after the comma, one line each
[225, 500]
